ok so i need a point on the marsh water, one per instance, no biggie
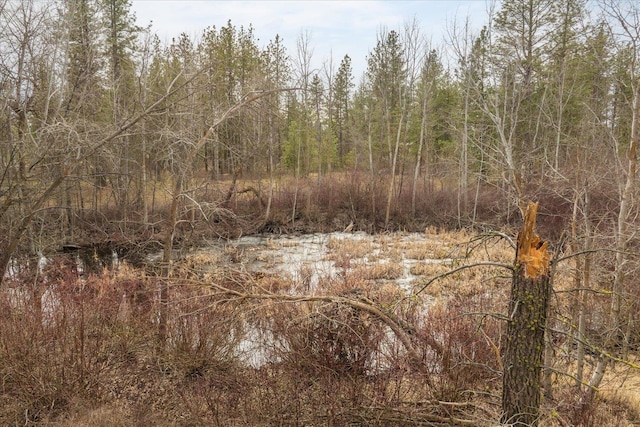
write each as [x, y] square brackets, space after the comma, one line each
[309, 261]
[309, 258]
[405, 260]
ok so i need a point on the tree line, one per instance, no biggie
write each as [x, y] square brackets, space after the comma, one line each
[543, 92]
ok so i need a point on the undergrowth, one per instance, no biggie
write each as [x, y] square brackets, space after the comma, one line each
[80, 348]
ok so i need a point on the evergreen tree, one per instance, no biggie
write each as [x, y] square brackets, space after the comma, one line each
[83, 95]
[121, 33]
[386, 74]
[343, 85]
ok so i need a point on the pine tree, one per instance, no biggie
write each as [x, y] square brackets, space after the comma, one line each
[386, 74]
[83, 95]
[121, 33]
[343, 85]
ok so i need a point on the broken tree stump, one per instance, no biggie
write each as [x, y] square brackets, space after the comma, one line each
[528, 307]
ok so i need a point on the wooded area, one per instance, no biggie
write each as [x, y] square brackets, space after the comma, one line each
[111, 140]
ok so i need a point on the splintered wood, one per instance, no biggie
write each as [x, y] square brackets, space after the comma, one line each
[532, 251]
[525, 344]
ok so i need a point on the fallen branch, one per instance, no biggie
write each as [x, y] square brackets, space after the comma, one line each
[255, 193]
[402, 329]
[463, 267]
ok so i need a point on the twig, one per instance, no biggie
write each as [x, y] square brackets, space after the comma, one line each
[462, 267]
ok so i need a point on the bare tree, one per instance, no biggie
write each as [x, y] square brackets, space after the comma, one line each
[626, 18]
[190, 153]
[303, 74]
[429, 74]
[42, 197]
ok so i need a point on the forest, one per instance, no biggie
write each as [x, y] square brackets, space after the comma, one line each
[122, 157]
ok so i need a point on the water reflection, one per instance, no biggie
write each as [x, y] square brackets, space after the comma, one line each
[310, 259]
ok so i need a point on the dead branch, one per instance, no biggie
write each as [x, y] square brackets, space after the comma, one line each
[400, 328]
[483, 237]
[463, 267]
[255, 193]
[592, 251]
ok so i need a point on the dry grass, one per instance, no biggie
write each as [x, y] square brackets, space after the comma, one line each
[97, 360]
[348, 248]
[109, 415]
[381, 270]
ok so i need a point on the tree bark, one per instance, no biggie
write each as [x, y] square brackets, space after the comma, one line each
[392, 179]
[421, 139]
[530, 293]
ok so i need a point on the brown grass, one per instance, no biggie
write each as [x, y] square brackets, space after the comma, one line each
[97, 359]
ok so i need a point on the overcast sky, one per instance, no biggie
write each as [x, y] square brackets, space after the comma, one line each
[335, 27]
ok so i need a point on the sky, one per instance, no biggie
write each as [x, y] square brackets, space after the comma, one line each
[334, 28]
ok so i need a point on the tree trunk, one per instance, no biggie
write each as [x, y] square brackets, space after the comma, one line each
[373, 172]
[163, 314]
[530, 293]
[584, 285]
[463, 198]
[392, 179]
[267, 215]
[416, 171]
[622, 237]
